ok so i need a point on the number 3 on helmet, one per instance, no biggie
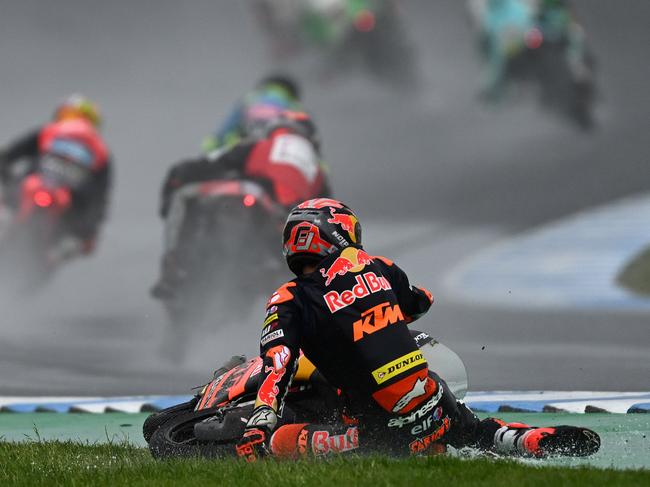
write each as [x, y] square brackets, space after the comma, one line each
[317, 228]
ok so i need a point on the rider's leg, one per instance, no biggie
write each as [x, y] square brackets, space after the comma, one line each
[303, 439]
[171, 267]
[493, 434]
[77, 234]
[521, 439]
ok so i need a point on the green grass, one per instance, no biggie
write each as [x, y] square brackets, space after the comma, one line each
[636, 274]
[75, 464]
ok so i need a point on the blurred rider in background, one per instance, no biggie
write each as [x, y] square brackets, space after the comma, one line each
[557, 21]
[73, 132]
[502, 27]
[272, 95]
[282, 155]
[507, 26]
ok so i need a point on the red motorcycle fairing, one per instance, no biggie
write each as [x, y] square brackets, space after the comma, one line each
[242, 380]
[231, 385]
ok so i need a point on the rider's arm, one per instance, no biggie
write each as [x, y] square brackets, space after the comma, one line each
[279, 349]
[413, 301]
[184, 172]
[91, 203]
[231, 125]
[102, 186]
[26, 146]
[201, 169]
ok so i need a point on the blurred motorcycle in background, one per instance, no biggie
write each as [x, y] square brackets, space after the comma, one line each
[224, 213]
[34, 205]
[228, 238]
[344, 35]
[537, 42]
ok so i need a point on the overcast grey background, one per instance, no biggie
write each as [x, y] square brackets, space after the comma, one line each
[452, 175]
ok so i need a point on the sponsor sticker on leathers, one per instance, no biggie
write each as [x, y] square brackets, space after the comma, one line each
[270, 319]
[272, 336]
[397, 366]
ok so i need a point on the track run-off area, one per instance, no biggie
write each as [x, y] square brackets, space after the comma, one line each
[571, 263]
[625, 437]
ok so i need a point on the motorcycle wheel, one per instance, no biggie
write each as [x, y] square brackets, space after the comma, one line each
[175, 439]
[157, 419]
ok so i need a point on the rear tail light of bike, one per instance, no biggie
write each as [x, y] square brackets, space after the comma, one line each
[249, 200]
[43, 199]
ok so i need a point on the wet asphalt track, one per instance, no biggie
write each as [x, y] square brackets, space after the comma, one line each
[453, 175]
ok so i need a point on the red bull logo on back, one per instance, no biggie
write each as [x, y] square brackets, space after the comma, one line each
[339, 267]
[350, 260]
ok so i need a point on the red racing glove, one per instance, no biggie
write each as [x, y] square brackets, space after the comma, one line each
[252, 445]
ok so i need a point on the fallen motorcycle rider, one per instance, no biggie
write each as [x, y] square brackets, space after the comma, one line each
[347, 312]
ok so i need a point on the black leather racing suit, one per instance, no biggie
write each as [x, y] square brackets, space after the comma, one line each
[350, 317]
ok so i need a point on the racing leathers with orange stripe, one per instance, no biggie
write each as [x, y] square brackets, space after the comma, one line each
[349, 317]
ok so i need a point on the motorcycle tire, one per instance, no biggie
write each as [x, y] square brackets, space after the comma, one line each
[154, 421]
[175, 439]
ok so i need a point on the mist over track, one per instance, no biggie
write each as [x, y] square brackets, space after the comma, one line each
[450, 175]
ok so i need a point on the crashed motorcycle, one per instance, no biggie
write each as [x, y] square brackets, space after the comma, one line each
[34, 207]
[212, 422]
[342, 35]
[228, 231]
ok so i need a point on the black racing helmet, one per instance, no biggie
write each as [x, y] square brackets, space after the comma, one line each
[317, 228]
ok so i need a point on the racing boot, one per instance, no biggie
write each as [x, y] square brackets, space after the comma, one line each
[521, 439]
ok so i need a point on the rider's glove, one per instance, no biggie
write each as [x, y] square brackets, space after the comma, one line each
[257, 435]
[252, 444]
